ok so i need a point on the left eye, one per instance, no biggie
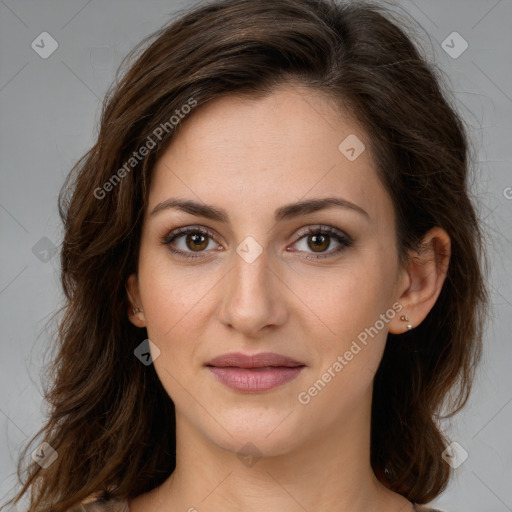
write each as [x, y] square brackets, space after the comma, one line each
[197, 240]
[318, 239]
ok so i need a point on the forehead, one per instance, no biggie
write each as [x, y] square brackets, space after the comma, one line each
[243, 154]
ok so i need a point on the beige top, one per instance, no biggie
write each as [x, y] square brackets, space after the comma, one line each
[101, 505]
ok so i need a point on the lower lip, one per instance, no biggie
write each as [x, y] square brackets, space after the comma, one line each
[252, 380]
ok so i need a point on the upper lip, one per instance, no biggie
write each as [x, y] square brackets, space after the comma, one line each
[261, 360]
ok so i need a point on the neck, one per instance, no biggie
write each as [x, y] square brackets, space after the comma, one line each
[331, 472]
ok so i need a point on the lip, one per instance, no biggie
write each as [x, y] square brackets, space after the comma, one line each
[254, 373]
[260, 360]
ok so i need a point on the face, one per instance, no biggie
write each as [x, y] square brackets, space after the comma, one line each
[315, 285]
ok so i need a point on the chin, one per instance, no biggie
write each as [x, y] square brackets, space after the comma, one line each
[265, 433]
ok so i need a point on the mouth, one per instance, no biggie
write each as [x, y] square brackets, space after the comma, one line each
[254, 373]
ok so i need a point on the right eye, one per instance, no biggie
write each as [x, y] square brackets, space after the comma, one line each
[195, 240]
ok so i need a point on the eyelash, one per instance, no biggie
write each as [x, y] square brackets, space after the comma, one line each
[344, 240]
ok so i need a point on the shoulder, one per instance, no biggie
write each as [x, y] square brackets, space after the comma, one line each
[425, 508]
[101, 505]
[96, 504]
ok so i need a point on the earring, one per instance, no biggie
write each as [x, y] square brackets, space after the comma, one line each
[405, 318]
[136, 310]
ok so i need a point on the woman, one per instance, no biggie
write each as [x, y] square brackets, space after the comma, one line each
[273, 272]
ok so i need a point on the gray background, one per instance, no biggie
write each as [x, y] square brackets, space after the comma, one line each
[49, 111]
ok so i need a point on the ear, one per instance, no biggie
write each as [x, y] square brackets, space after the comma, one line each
[420, 284]
[132, 290]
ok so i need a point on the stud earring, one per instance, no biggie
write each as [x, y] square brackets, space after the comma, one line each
[136, 310]
[405, 318]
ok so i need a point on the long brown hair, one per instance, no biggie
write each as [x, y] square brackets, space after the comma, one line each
[110, 420]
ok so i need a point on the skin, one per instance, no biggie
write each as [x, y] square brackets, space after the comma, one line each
[251, 157]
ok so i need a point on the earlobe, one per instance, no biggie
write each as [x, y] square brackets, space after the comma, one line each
[423, 280]
[135, 312]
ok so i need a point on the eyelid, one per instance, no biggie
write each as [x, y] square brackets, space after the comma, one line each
[190, 229]
[331, 230]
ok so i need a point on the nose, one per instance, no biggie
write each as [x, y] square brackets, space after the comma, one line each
[254, 297]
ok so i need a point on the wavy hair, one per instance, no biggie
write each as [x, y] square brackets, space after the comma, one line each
[110, 419]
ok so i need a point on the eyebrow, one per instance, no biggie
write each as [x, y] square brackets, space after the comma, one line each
[286, 212]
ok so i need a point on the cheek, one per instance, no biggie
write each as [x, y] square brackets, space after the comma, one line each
[346, 300]
[353, 318]
[178, 302]
[172, 294]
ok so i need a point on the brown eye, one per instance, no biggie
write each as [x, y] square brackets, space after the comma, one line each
[319, 243]
[319, 239]
[196, 240]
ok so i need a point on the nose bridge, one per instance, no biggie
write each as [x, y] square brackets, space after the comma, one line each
[250, 268]
[252, 299]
